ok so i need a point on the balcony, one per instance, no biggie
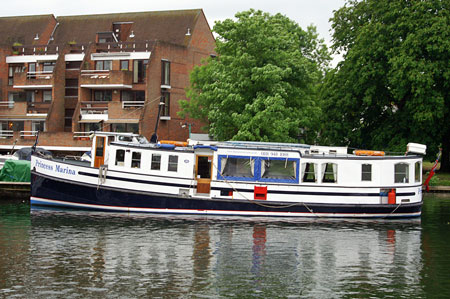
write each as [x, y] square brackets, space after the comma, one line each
[33, 80]
[38, 109]
[106, 79]
[91, 112]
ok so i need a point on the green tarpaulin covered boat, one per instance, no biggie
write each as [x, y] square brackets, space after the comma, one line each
[16, 171]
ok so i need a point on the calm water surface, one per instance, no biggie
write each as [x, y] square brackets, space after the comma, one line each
[78, 254]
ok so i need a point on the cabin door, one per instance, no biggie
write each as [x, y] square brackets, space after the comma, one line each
[203, 170]
[99, 158]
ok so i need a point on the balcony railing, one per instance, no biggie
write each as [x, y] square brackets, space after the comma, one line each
[6, 104]
[126, 47]
[35, 49]
[132, 104]
[28, 133]
[6, 134]
[82, 135]
[34, 80]
[106, 78]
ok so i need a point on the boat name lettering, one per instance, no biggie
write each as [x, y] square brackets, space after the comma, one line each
[65, 170]
[43, 165]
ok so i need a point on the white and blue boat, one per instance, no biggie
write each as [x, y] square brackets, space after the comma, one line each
[129, 174]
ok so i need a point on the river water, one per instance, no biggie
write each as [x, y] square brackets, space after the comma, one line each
[78, 254]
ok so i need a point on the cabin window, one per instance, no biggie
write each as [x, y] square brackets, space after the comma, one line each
[309, 172]
[401, 173]
[279, 169]
[120, 157]
[417, 172]
[329, 173]
[366, 172]
[136, 160]
[156, 162]
[237, 167]
[173, 163]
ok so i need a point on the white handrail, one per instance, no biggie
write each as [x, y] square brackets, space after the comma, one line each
[132, 104]
[28, 133]
[8, 104]
[6, 133]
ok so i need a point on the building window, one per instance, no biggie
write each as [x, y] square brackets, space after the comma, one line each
[12, 70]
[124, 65]
[73, 65]
[38, 126]
[120, 157]
[136, 160]
[102, 95]
[92, 127]
[31, 70]
[156, 162]
[165, 98]
[103, 65]
[366, 172]
[418, 172]
[139, 70]
[14, 126]
[329, 173]
[47, 95]
[165, 72]
[401, 174]
[48, 66]
[309, 172]
[173, 163]
[127, 95]
[127, 127]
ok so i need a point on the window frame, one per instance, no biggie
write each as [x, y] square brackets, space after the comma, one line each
[44, 92]
[154, 162]
[406, 173]
[165, 72]
[418, 172]
[325, 172]
[256, 169]
[314, 172]
[366, 172]
[123, 158]
[136, 158]
[171, 164]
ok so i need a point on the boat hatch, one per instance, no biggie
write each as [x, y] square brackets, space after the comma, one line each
[203, 173]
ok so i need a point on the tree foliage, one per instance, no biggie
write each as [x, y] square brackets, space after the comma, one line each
[393, 85]
[263, 84]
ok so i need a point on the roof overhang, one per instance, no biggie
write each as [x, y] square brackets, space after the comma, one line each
[31, 58]
[106, 86]
[89, 121]
[74, 57]
[120, 56]
[34, 86]
[122, 121]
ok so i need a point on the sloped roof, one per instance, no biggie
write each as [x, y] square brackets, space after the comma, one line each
[23, 29]
[168, 26]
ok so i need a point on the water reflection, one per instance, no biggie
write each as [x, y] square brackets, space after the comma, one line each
[56, 253]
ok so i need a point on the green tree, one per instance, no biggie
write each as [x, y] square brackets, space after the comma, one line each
[393, 85]
[263, 84]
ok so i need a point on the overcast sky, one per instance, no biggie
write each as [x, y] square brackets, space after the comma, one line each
[304, 12]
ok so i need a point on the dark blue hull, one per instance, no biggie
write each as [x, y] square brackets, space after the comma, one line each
[47, 191]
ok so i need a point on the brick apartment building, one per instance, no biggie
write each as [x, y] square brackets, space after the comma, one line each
[65, 76]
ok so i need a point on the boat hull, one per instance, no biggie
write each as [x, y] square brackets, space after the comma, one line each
[50, 191]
